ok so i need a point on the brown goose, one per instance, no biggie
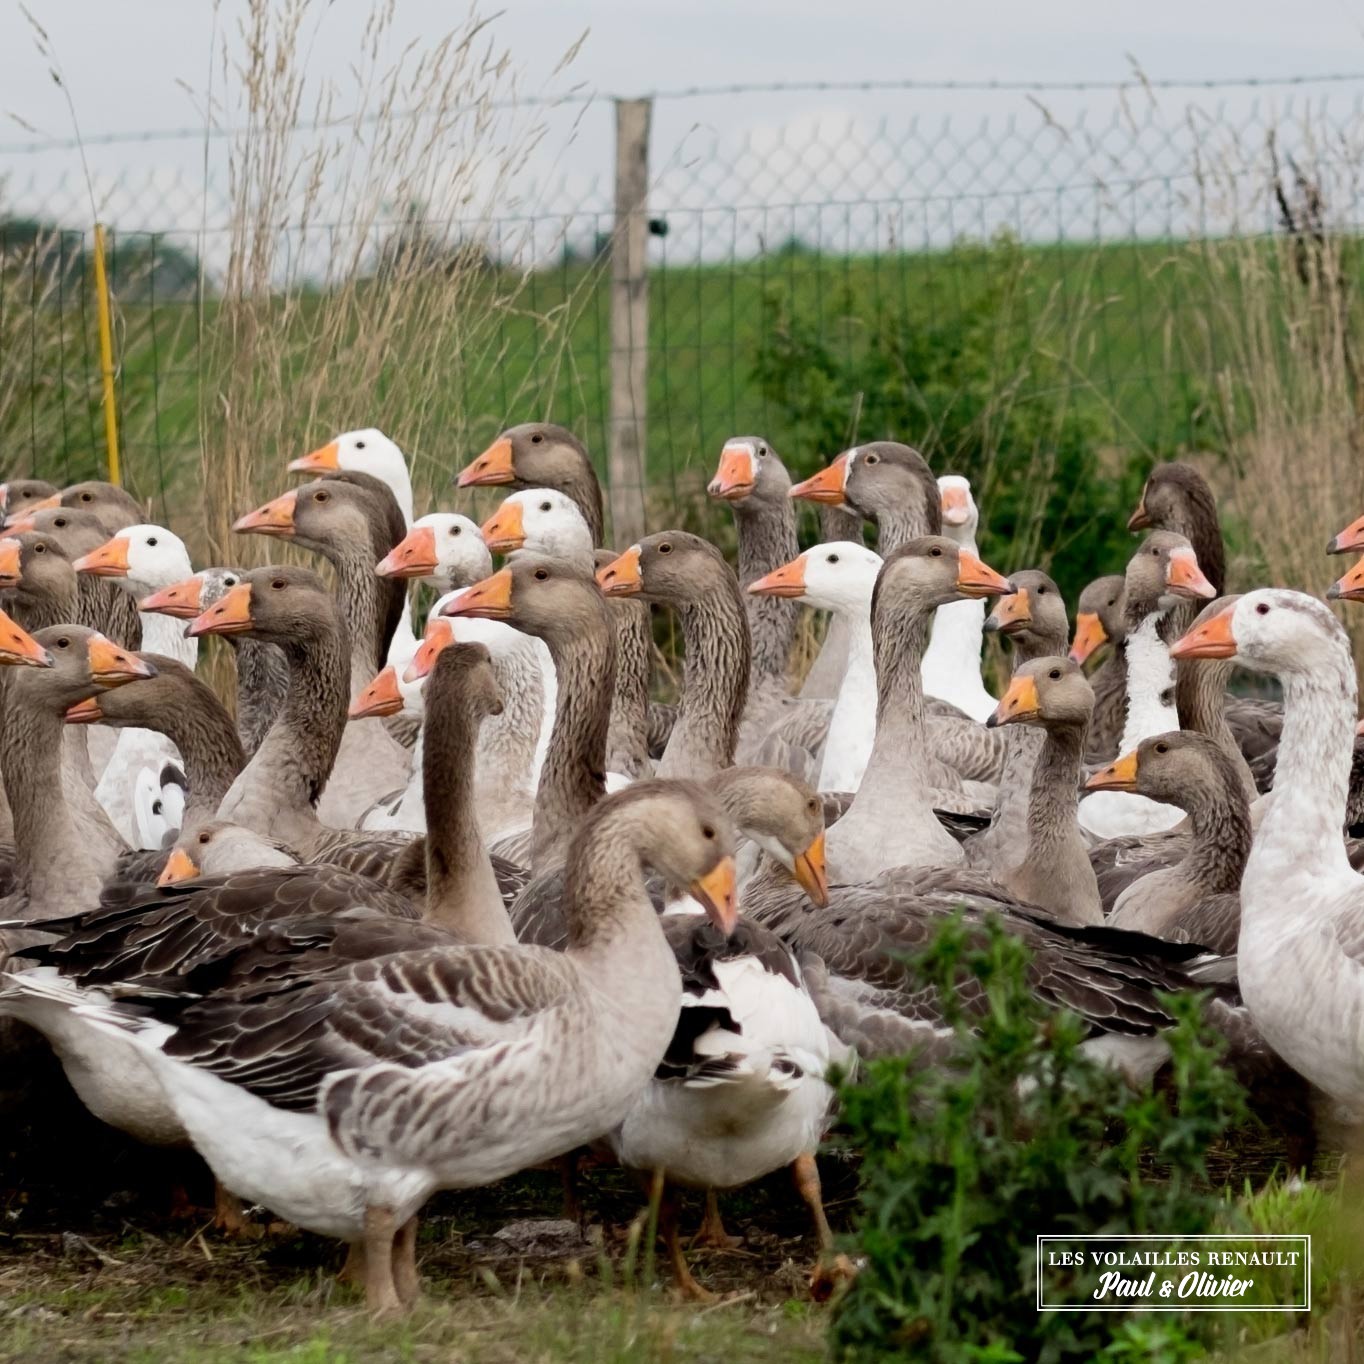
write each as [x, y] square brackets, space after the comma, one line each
[691, 576]
[1098, 621]
[17, 495]
[1198, 899]
[111, 506]
[350, 1129]
[346, 522]
[1053, 871]
[564, 607]
[541, 455]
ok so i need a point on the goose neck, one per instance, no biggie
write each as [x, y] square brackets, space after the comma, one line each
[767, 540]
[1150, 683]
[1220, 837]
[166, 635]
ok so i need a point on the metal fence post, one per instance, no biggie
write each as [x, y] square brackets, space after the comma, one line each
[629, 321]
[106, 358]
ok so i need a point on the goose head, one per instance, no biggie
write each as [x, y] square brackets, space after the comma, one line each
[541, 520]
[1034, 613]
[19, 494]
[190, 596]
[670, 566]
[839, 576]
[35, 566]
[319, 515]
[106, 502]
[142, 559]
[877, 480]
[678, 830]
[1271, 630]
[750, 474]
[929, 572]
[1173, 498]
[442, 548]
[1350, 587]
[1047, 692]
[368, 451]
[81, 663]
[281, 603]
[1168, 768]
[960, 515]
[784, 817]
[1162, 571]
[544, 597]
[1099, 616]
[78, 531]
[217, 847]
[19, 649]
[534, 454]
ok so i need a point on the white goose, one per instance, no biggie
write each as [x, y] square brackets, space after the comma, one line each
[142, 560]
[951, 665]
[1301, 950]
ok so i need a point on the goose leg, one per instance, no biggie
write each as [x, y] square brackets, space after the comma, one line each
[830, 1270]
[228, 1216]
[712, 1231]
[353, 1271]
[405, 1277]
[381, 1293]
[667, 1225]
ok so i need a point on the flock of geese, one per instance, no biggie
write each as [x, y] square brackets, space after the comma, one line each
[424, 909]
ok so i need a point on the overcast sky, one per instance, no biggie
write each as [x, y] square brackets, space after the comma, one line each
[125, 65]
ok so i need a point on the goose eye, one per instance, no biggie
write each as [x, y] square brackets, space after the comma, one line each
[544, 506]
[762, 452]
[707, 831]
[279, 584]
[455, 530]
[872, 459]
[230, 581]
[541, 574]
[151, 539]
[1041, 591]
[936, 552]
[1262, 609]
[320, 496]
[203, 838]
[833, 559]
[1162, 748]
[60, 523]
[665, 548]
[359, 445]
[63, 643]
[40, 549]
[86, 497]
[536, 438]
[1054, 674]
[812, 805]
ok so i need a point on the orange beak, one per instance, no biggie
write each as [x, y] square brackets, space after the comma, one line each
[414, 556]
[1118, 776]
[1011, 614]
[46, 503]
[1140, 519]
[490, 599]
[1351, 538]
[826, 486]
[493, 466]
[786, 581]
[1359, 730]
[322, 460]
[17, 525]
[274, 518]
[85, 712]
[229, 615]
[956, 506]
[812, 873]
[180, 600]
[438, 634]
[975, 579]
[381, 697]
[179, 866]
[1184, 577]
[716, 893]
[1350, 587]
[1018, 705]
[10, 572]
[19, 649]
[110, 560]
[505, 529]
[111, 666]
[735, 477]
[1212, 639]
[1089, 635]
[621, 577]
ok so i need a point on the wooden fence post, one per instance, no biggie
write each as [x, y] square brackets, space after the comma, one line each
[629, 322]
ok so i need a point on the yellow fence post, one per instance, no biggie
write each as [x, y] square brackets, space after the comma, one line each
[106, 357]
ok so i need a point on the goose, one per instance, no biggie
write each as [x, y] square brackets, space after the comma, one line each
[1099, 621]
[1051, 871]
[346, 523]
[17, 495]
[1302, 905]
[109, 504]
[1198, 898]
[262, 673]
[826, 672]
[545, 522]
[839, 577]
[1163, 572]
[890, 822]
[352, 1130]
[952, 660]
[443, 549]
[140, 560]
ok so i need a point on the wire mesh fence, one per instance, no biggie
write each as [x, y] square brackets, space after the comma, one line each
[1008, 277]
